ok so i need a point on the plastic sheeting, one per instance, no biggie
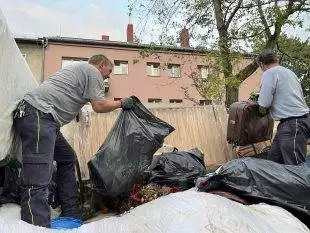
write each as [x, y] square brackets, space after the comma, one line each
[189, 212]
[16, 79]
[261, 180]
[127, 150]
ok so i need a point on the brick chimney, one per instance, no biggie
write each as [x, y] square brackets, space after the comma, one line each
[130, 33]
[184, 38]
[105, 38]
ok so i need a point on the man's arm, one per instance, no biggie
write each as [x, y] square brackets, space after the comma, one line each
[267, 90]
[104, 106]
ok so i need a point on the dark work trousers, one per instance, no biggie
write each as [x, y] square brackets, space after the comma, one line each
[42, 143]
[290, 143]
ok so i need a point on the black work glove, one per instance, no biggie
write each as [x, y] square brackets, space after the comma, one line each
[263, 111]
[127, 103]
[254, 96]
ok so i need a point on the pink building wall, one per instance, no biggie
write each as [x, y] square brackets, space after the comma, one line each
[137, 82]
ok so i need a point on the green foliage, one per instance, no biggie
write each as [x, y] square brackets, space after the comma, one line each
[295, 54]
[228, 26]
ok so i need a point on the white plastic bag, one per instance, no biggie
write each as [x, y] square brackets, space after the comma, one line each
[189, 212]
[15, 80]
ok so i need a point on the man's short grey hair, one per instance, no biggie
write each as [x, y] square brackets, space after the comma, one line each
[267, 57]
[98, 59]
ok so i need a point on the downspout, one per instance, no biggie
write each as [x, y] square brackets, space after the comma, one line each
[44, 42]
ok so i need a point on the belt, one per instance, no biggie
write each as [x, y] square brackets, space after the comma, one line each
[295, 117]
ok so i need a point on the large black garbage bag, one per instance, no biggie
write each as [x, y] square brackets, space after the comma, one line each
[127, 151]
[259, 180]
[178, 168]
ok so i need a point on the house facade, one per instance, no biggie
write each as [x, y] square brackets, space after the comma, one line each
[33, 52]
[156, 75]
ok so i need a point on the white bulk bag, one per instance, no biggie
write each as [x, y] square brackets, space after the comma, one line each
[15, 80]
[189, 212]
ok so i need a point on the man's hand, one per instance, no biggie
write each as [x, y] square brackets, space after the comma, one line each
[254, 96]
[127, 103]
[263, 111]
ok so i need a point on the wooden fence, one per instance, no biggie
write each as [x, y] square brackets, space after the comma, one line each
[201, 127]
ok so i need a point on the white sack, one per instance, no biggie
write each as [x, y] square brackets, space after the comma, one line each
[189, 212]
[16, 79]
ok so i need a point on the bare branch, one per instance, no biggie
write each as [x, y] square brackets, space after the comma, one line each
[232, 15]
[248, 37]
[219, 17]
[247, 71]
[263, 19]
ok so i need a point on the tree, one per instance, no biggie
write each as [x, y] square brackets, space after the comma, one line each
[295, 54]
[232, 24]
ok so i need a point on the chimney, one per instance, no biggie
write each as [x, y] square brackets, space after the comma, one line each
[105, 38]
[184, 38]
[130, 33]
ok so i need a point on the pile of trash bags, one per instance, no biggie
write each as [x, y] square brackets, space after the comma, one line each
[259, 180]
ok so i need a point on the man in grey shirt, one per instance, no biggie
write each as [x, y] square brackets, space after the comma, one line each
[38, 119]
[282, 95]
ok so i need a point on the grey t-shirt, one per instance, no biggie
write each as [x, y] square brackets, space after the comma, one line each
[281, 90]
[64, 93]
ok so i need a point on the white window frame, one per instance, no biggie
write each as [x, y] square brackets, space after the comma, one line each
[120, 67]
[174, 70]
[153, 69]
[204, 71]
[66, 61]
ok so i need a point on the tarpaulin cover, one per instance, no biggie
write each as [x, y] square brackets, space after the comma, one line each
[178, 168]
[127, 151]
[16, 79]
[261, 180]
[183, 212]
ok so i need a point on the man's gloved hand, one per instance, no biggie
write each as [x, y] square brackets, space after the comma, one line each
[254, 96]
[263, 111]
[127, 103]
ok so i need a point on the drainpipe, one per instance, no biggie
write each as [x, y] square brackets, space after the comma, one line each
[44, 42]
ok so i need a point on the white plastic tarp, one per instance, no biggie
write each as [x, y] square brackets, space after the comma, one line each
[189, 212]
[15, 80]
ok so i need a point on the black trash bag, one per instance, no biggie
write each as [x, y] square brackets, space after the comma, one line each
[259, 180]
[127, 151]
[177, 169]
[10, 183]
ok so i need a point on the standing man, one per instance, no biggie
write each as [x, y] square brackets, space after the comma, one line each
[282, 95]
[38, 119]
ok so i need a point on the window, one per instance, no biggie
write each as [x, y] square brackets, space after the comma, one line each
[120, 67]
[175, 101]
[205, 102]
[174, 70]
[203, 72]
[71, 60]
[151, 100]
[153, 69]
